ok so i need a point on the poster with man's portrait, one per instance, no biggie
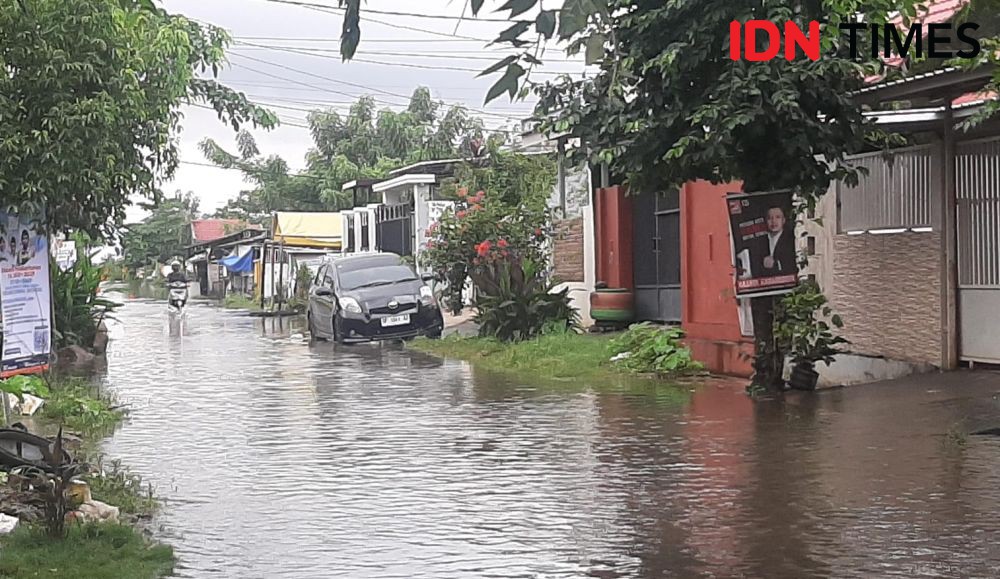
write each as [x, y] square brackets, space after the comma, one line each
[763, 239]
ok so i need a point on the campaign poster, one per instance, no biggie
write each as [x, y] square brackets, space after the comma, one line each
[763, 239]
[25, 300]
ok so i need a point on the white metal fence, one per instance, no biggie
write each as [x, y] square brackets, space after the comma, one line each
[899, 191]
[978, 183]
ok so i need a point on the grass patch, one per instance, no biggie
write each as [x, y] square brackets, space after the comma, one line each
[564, 357]
[80, 406]
[88, 552]
[558, 356]
[240, 302]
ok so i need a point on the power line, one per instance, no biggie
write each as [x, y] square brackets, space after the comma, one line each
[286, 123]
[367, 41]
[317, 102]
[439, 54]
[400, 64]
[307, 73]
[390, 12]
[283, 122]
[340, 12]
[433, 67]
[284, 86]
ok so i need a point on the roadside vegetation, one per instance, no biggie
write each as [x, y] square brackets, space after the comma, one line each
[645, 351]
[94, 551]
[240, 302]
[46, 543]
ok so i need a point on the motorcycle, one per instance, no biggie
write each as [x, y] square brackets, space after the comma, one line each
[178, 298]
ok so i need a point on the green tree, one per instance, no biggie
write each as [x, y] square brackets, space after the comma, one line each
[89, 105]
[164, 234]
[364, 144]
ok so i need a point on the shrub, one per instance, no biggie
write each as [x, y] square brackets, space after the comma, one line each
[78, 405]
[515, 302]
[648, 348]
[801, 327]
[303, 282]
[78, 310]
[454, 247]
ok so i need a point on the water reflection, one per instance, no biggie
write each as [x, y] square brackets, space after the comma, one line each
[281, 458]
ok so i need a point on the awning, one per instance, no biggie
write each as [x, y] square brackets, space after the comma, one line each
[238, 264]
[309, 229]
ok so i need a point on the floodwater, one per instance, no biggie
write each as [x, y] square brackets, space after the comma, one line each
[281, 459]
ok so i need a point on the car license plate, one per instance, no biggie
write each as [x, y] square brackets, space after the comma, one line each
[396, 320]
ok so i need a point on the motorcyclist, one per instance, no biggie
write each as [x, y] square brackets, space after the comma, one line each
[176, 274]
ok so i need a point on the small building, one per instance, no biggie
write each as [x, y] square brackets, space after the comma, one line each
[411, 202]
[207, 258]
[296, 239]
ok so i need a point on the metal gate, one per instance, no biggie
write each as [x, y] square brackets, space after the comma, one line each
[656, 250]
[394, 229]
[977, 174]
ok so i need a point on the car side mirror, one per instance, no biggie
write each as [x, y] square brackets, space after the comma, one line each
[427, 277]
[323, 291]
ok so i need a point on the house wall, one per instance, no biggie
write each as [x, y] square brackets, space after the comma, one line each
[710, 311]
[580, 274]
[613, 230]
[568, 250]
[886, 287]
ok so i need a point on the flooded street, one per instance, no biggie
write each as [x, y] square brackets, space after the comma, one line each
[280, 459]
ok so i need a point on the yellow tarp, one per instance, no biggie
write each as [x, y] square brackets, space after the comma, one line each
[309, 229]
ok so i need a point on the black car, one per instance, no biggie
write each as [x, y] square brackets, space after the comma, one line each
[364, 298]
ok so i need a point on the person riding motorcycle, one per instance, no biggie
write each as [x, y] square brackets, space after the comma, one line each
[176, 275]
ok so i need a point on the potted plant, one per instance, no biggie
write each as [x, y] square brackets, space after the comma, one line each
[801, 327]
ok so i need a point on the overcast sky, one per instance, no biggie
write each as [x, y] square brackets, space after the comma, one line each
[265, 30]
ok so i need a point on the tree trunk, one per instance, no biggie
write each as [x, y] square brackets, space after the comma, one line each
[768, 362]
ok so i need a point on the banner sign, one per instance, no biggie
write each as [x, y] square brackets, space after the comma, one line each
[763, 240]
[64, 252]
[25, 298]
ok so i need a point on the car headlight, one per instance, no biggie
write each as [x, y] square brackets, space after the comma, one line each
[350, 305]
[426, 296]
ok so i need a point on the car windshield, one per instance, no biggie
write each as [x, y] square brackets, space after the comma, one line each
[376, 276]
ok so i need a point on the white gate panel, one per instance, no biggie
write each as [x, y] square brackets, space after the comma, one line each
[977, 173]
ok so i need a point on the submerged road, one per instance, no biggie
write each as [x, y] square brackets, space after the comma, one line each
[281, 459]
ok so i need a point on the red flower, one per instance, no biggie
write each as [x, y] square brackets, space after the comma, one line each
[538, 232]
[480, 195]
[483, 248]
[461, 214]
[476, 207]
[430, 245]
[502, 243]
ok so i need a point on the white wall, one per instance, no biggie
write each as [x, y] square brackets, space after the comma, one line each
[371, 224]
[580, 292]
[348, 217]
